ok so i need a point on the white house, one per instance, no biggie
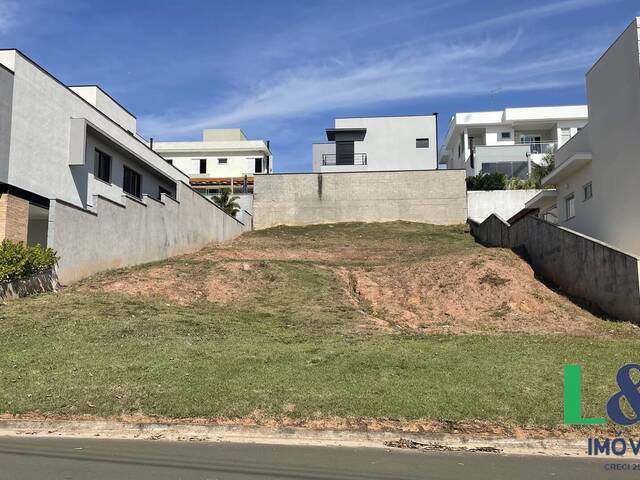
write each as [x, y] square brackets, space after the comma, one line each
[225, 158]
[597, 173]
[75, 176]
[67, 143]
[508, 141]
[378, 144]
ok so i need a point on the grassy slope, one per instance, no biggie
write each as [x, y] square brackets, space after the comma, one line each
[294, 350]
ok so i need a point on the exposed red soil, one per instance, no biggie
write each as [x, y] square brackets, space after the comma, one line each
[480, 428]
[493, 292]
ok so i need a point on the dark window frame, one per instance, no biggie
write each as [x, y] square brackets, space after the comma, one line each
[166, 191]
[423, 143]
[132, 182]
[505, 135]
[102, 166]
[203, 166]
[587, 190]
[255, 165]
[223, 161]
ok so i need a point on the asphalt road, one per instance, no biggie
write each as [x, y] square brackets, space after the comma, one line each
[58, 458]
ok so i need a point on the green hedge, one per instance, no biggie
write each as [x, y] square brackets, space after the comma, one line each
[19, 261]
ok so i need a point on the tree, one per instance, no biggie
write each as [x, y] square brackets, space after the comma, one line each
[227, 202]
[544, 168]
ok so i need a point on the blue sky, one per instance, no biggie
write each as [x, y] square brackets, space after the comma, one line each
[282, 70]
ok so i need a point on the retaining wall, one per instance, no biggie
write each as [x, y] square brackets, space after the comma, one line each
[114, 235]
[42, 282]
[504, 203]
[580, 266]
[427, 196]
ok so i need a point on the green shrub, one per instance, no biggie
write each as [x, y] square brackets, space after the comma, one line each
[521, 184]
[487, 181]
[18, 261]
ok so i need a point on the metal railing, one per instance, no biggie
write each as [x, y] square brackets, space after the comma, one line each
[536, 148]
[344, 159]
[540, 148]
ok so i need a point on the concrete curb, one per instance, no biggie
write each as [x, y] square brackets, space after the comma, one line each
[283, 436]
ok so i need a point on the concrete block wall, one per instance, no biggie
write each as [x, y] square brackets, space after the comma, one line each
[504, 203]
[112, 235]
[427, 196]
[14, 218]
[585, 268]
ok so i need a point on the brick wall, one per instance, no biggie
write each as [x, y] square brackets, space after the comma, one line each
[14, 218]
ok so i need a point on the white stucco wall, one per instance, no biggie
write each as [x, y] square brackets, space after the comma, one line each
[6, 101]
[151, 181]
[613, 92]
[504, 203]
[107, 105]
[42, 109]
[390, 142]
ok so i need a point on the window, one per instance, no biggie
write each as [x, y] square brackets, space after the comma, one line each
[132, 182]
[222, 161]
[258, 165]
[505, 135]
[102, 166]
[422, 143]
[565, 135]
[162, 190]
[199, 165]
[169, 161]
[588, 191]
[569, 207]
[509, 169]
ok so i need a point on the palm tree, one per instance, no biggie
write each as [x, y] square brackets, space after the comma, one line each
[539, 171]
[227, 202]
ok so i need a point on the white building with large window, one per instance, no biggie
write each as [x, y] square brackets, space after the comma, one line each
[508, 141]
[224, 158]
[597, 173]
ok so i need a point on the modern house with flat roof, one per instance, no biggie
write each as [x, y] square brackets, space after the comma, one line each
[378, 144]
[597, 173]
[76, 176]
[224, 158]
[509, 140]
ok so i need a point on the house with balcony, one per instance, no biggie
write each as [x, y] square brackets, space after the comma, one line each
[224, 158]
[597, 172]
[378, 144]
[509, 141]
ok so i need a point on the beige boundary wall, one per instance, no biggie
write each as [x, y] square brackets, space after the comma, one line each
[600, 275]
[427, 196]
[112, 235]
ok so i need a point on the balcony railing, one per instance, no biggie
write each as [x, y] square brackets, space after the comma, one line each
[344, 159]
[540, 148]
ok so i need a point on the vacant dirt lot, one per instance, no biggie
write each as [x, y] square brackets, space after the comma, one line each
[422, 279]
[379, 326]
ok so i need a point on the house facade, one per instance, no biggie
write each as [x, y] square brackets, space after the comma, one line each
[597, 173]
[378, 144]
[225, 158]
[66, 143]
[510, 140]
[76, 176]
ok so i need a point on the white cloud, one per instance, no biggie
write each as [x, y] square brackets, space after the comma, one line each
[425, 68]
[8, 15]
